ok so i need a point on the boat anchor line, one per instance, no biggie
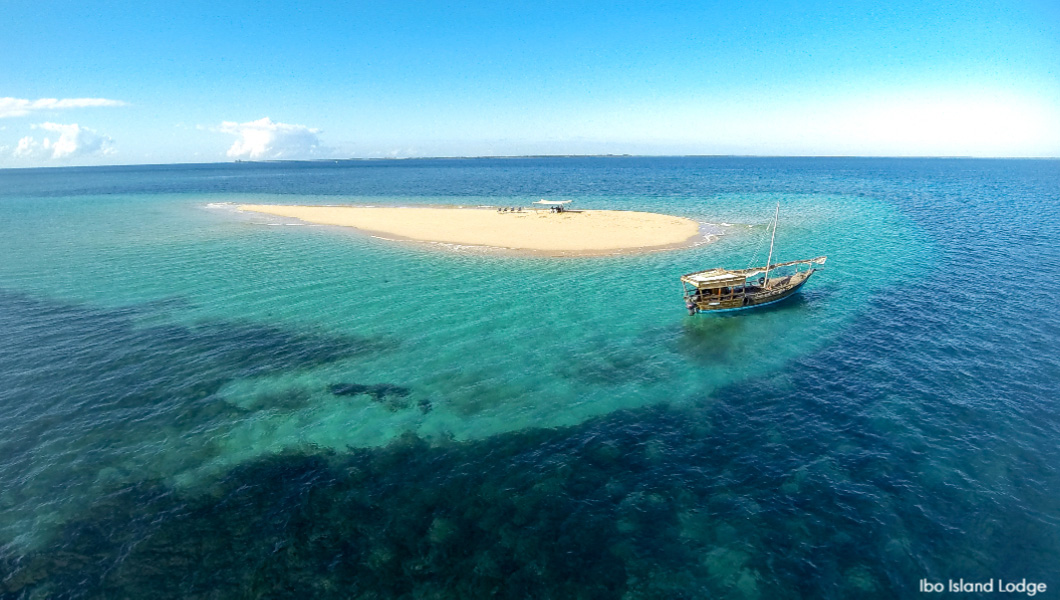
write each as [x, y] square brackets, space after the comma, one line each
[721, 289]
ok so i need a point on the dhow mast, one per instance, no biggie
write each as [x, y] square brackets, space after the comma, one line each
[776, 219]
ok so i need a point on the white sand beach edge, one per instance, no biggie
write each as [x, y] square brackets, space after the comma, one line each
[582, 232]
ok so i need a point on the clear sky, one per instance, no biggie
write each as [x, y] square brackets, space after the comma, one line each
[193, 81]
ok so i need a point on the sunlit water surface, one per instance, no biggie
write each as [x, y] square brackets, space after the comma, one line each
[181, 382]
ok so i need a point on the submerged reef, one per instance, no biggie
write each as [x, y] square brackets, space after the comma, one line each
[393, 397]
[833, 479]
[87, 392]
[408, 520]
[378, 391]
[648, 503]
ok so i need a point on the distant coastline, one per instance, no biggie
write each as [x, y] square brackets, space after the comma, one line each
[399, 159]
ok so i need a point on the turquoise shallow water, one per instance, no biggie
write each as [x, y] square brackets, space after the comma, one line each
[182, 382]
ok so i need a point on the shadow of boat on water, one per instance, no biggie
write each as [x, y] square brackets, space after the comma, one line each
[718, 336]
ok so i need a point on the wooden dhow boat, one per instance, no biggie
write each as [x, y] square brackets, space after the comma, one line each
[724, 289]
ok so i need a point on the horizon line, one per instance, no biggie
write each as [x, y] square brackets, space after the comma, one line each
[531, 156]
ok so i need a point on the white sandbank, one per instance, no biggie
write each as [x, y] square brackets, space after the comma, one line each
[535, 231]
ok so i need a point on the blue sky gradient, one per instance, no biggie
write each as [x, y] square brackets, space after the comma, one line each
[210, 81]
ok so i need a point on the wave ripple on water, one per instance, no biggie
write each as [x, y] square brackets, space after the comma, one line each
[163, 439]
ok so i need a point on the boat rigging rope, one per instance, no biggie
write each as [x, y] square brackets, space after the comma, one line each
[758, 250]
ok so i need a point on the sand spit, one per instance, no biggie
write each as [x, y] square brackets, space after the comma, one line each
[590, 232]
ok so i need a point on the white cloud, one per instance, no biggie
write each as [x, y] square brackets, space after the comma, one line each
[263, 139]
[19, 107]
[26, 147]
[72, 141]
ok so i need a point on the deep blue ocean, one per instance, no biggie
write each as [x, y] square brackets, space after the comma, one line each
[201, 403]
